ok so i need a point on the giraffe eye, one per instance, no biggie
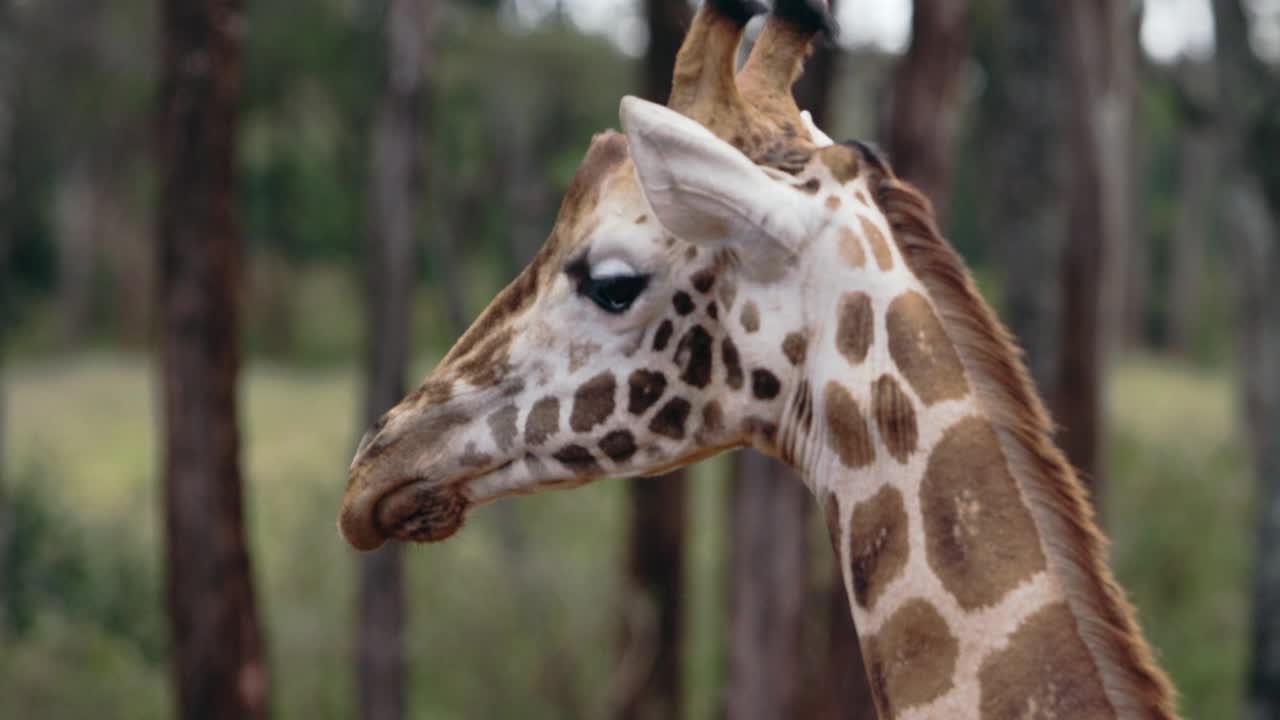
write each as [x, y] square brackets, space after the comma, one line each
[613, 293]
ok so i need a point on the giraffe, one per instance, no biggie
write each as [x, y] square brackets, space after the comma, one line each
[721, 275]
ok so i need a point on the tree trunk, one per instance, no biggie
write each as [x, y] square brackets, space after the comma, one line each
[1100, 55]
[1198, 153]
[927, 91]
[75, 222]
[769, 576]
[220, 667]
[651, 683]
[395, 174]
[1250, 107]
[7, 111]
[1022, 126]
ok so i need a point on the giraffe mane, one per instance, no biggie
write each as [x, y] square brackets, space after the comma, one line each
[1059, 500]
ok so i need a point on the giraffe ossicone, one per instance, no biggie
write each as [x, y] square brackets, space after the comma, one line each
[722, 275]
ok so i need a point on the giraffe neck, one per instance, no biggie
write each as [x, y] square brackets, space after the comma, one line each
[974, 573]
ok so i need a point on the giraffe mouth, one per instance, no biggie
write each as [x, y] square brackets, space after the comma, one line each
[416, 510]
[421, 512]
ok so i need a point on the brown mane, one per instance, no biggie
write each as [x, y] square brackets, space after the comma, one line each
[1060, 503]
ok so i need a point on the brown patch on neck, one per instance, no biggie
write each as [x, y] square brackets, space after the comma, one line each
[1134, 684]
[895, 418]
[912, 660]
[847, 430]
[878, 546]
[980, 539]
[922, 351]
[1043, 672]
[879, 248]
[855, 326]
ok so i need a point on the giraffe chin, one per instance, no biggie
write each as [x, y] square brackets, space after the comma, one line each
[421, 512]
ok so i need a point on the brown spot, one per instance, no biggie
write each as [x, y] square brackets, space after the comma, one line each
[750, 317]
[619, 445]
[878, 544]
[847, 429]
[855, 326]
[832, 506]
[663, 336]
[682, 302]
[690, 253]
[472, 458]
[580, 353]
[644, 218]
[593, 402]
[862, 197]
[694, 356]
[851, 249]
[794, 346]
[669, 420]
[895, 417]
[841, 161]
[879, 248]
[703, 280]
[712, 417]
[502, 424]
[732, 364]
[543, 421]
[921, 350]
[833, 202]
[646, 387]
[1044, 672]
[979, 536]
[912, 660]
[712, 311]
[764, 384]
[578, 459]
[809, 186]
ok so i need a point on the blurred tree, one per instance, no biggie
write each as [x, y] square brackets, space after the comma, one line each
[395, 173]
[1198, 149]
[1100, 55]
[1020, 125]
[6, 243]
[653, 611]
[1250, 104]
[927, 93]
[219, 663]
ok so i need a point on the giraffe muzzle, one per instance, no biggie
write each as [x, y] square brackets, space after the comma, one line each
[416, 511]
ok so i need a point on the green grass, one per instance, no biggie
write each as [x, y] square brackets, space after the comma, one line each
[528, 594]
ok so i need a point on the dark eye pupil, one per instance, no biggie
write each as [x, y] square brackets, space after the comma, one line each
[615, 293]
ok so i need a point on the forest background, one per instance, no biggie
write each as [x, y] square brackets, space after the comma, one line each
[1109, 169]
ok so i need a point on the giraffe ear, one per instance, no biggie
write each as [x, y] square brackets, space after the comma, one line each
[703, 189]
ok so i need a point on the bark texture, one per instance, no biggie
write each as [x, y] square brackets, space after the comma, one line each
[1021, 128]
[219, 664]
[1250, 105]
[927, 90]
[395, 174]
[650, 683]
[1099, 45]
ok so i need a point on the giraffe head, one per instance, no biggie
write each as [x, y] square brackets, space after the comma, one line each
[664, 320]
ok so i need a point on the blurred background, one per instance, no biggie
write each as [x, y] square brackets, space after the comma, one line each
[260, 219]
